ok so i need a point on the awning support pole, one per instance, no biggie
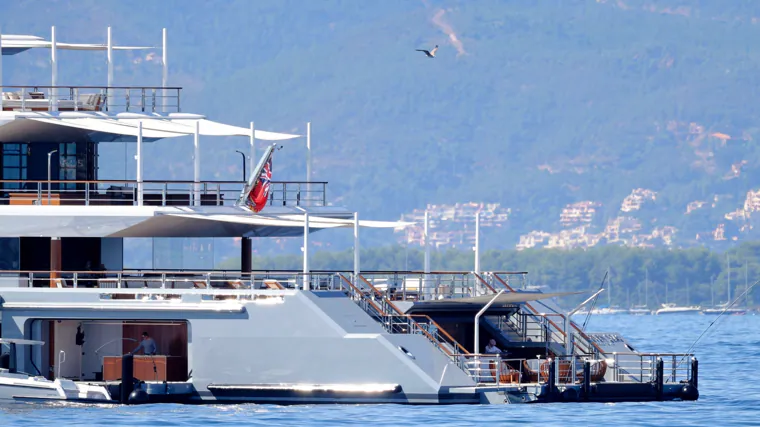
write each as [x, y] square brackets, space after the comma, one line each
[54, 70]
[164, 71]
[476, 350]
[357, 250]
[427, 242]
[252, 158]
[477, 242]
[109, 62]
[305, 251]
[138, 157]
[196, 164]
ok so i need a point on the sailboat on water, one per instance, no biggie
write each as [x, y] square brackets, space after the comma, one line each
[672, 308]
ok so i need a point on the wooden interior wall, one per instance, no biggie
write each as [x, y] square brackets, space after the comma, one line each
[171, 339]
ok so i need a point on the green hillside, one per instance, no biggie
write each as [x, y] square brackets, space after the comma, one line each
[536, 105]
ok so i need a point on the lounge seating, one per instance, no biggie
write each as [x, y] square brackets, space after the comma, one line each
[36, 101]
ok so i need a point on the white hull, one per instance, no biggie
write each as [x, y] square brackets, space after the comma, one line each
[21, 387]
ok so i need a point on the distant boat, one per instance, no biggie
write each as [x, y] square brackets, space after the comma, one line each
[639, 310]
[737, 311]
[609, 310]
[671, 308]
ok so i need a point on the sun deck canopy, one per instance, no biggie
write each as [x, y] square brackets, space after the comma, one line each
[120, 127]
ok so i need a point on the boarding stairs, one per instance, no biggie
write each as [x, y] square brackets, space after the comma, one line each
[394, 321]
[531, 325]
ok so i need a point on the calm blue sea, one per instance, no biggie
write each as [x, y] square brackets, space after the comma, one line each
[729, 385]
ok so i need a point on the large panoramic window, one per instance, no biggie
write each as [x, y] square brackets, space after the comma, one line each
[67, 166]
[14, 163]
[175, 253]
[9, 253]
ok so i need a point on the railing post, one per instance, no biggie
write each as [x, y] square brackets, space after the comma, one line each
[660, 379]
[142, 99]
[87, 194]
[23, 99]
[76, 99]
[163, 195]
[324, 194]
[75, 279]
[118, 280]
[163, 280]
[694, 380]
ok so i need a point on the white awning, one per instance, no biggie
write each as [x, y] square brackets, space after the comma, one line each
[154, 126]
[22, 42]
[317, 222]
[349, 222]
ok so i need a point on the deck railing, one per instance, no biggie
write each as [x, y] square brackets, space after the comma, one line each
[142, 99]
[157, 279]
[155, 193]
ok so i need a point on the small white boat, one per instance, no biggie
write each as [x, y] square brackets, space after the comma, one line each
[19, 386]
[639, 310]
[737, 311]
[609, 310]
[671, 308]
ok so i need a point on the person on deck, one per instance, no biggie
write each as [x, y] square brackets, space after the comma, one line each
[147, 345]
[492, 349]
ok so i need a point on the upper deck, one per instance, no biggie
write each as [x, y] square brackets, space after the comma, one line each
[107, 99]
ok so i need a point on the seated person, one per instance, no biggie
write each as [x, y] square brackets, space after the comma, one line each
[147, 345]
[492, 349]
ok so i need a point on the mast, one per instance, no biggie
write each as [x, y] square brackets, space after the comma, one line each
[688, 295]
[609, 294]
[666, 292]
[646, 287]
[712, 293]
[728, 280]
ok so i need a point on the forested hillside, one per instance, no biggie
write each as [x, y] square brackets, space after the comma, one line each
[535, 105]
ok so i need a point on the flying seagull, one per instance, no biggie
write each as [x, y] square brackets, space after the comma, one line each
[429, 53]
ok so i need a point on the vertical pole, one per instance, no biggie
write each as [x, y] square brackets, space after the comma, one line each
[306, 251]
[55, 260]
[308, 152]
[139, 163]
[165, 70]
[1, 69]
[356, 246]
[728, 280]
[477, 242]
[109, 62]
[308, 159]
[252, 159]
[50, 154]
[196, 164]
[426, 236]
[646, 287]
[245, 256]
[54, 68]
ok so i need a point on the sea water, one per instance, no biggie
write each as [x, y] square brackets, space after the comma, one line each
[729, 386]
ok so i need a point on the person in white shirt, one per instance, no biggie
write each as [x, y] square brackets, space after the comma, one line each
[492, 349]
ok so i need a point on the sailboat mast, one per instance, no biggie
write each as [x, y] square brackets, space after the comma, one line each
[728, 280]
[609, 294]
[712, 293]
[646, 287]
[688, 294]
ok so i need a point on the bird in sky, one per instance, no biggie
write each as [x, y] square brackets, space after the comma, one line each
[429, 53]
